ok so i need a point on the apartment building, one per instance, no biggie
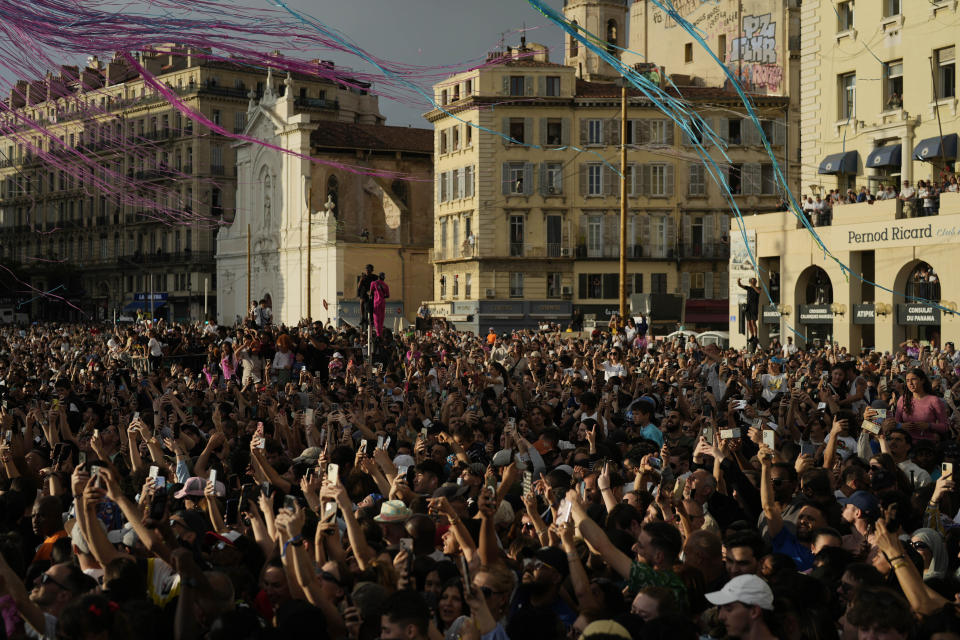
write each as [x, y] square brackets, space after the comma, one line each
[879, 93]
[70, 221]
[526, 155]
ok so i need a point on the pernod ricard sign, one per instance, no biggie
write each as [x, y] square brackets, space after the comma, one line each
[892, 233]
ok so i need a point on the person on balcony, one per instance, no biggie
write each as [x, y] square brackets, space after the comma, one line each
[908, 196]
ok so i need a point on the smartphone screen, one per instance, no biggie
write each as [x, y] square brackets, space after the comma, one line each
[333, 473]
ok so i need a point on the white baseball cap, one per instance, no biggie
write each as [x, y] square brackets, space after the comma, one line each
[749, 589]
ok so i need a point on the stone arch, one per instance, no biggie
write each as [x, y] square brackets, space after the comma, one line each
[574, 43]
[813, 287]
[612, 30]
[916, 281]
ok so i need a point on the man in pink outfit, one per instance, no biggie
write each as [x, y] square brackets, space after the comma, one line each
[380, 292]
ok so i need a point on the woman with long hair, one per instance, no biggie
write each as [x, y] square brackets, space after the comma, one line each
[922, 413]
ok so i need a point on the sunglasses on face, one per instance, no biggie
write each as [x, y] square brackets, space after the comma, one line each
[46, 578]
[919, 545]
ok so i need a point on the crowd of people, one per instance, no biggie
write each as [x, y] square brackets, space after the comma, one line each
[259, 481]
[916, 201]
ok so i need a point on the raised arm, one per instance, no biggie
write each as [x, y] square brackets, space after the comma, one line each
[597, 539]
[770, 508]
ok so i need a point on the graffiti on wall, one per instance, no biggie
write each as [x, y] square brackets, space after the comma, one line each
[713, 20]
[758, 43]
[759, 77]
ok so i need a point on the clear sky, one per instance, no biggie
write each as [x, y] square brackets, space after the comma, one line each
[428, 33]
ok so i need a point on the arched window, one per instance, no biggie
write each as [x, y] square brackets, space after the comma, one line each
[574, 43]
[611, 36]
[333, 190]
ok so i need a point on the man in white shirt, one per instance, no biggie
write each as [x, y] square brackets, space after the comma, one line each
[908, 195]
[789, 349]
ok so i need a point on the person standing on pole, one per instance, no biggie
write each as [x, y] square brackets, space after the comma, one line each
[380, 292]
[366, 296]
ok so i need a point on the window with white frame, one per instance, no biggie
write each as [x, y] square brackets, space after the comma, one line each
[456, 285]
[554, 284]
[553, 176]
[594, 179]
[595, 131]
[891, 8]
[516, 285]
[658, 131]
[595, 236]
[468, 181]
[893, 84]
[848, 96]
[516, 175]
[697, 183]
[443, 238]
[946, 73]
[458, 191]
[516, 235]
[658, 180]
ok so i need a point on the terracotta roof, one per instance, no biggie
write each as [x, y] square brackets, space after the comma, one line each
[346, 135]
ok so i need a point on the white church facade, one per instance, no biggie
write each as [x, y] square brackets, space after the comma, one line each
[336, 170]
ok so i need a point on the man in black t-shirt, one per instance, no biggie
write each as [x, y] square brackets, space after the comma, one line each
[366, 298]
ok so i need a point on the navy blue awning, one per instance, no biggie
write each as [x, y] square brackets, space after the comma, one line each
[930, 148]
[888, 156]
[837, 163]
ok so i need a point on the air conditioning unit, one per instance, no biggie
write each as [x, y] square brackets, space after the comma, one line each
[567, 291]
[551, 191]
[491, 293]
[566, 252]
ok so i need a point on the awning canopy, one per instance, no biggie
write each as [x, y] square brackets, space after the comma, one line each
[931, 148]
[840, 163]
[888, 156]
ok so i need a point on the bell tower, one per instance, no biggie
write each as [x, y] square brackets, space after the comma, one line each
[605, 19]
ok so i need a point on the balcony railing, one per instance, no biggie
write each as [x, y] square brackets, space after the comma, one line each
[608, 251]
[160, 257]
[316, 103]
[705, 250]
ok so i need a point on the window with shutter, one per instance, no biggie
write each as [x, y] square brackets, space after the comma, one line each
[751, 178]
[528, 85]
[612, 127]
[668, 180]
[685, 284]
[505, 131]
[708, 285]
[565, 131]
[779, 132]
[749, 132]
[469, 180]
[584, 179]
[528, 178]
[611, 181]
[582, 285]
[671, 236]
[505, 178]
